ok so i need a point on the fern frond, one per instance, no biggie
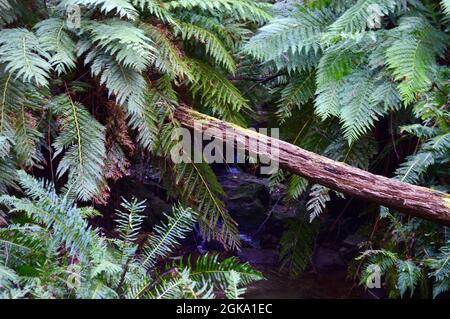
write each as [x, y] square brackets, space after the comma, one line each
[82, 139]
[127, 43]
[213, 45]
[208, 270]
[156, 8]
[408, 276]
[69, 229]
[297, 243]
[123, 8]
[8, 13]
[440, 266]
[233, 291]
[419, 130]
[358, 17]
[446, 6]
[55, 39]
[297, 186]
[197, 184]
[358, 113]
[160, 100]
[180, 287]
[416, 165]
[129, 223]
[295, 94]
[24, 57]
[246, 10]
[337, 62]
[328, 99]
[12, 95]
[319, 196]
[169, 60]
[410, 59]
[126, 84]
[167, 235]
[217, 93]
[27, 139]
[8, 175]
[300, 33]
[385, 259]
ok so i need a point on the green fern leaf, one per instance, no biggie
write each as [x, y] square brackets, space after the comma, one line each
[82, 139]
[167, 235]
[123, 8]
[55, 39]
[213, 45]
[24, 56]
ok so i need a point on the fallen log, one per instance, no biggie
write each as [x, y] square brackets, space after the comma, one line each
[409, 199]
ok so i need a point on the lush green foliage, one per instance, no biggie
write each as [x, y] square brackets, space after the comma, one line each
[138, 55]
[52, 252]
[343, 67]
[352, 80]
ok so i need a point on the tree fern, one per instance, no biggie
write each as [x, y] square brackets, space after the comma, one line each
[128, 44]
[82, 140]
[357, 17]
[123, 8]
[213, 46]
[446, 6]
[56, 40]
[244, 9]
[297, 244]
[295, 94]
[197, 182]
[217, 93]
[23, 56]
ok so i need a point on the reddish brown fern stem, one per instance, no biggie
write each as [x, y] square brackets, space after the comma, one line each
[412, 200]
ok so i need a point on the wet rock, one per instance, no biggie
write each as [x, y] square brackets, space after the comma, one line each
[326, 258]
[280, 212]
[148, 189]
[248, 241]
[270, 240]
[247, 199]
[259, 256]
[354, 240]
[350, 246]
[157, 206]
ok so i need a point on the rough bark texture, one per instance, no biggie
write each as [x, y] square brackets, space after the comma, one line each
[413, 200]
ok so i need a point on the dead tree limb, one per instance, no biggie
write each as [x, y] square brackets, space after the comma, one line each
[409, 199]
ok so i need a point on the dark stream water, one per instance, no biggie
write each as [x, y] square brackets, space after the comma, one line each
[261, 216]
[251, 205]
[310, 285]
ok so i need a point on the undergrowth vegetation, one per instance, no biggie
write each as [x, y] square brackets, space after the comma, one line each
[365, 82]
[49, 250]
